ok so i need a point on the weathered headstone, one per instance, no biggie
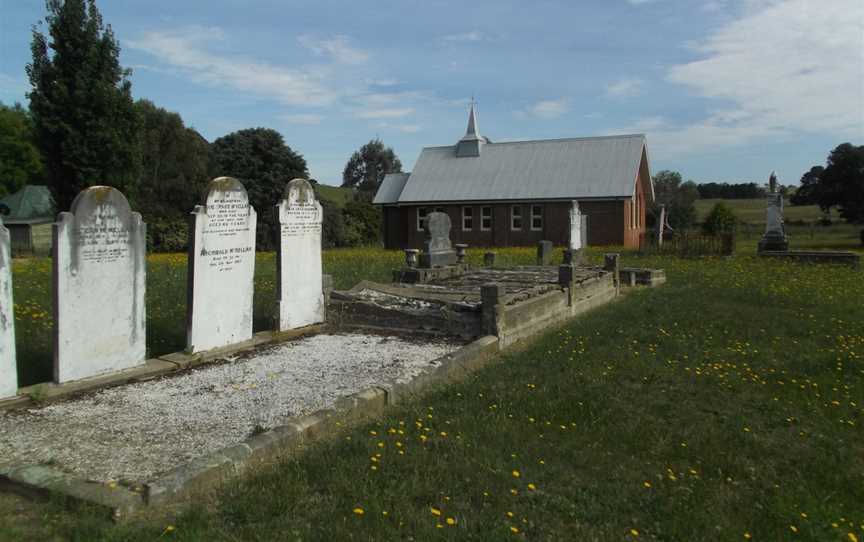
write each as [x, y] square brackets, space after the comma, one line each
[99, 281]
[8, 371]
[576, 230]
[437, 250]
[775, 234]
[300, 288]
[610, 263]
[221, 268]
[544, 253]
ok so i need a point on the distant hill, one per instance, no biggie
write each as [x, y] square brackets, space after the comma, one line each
[752, 211]
[336, 195]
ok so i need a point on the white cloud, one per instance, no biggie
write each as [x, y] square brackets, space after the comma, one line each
[405, 128]
[186, 50]
[307, 119]
[545, 109]
[473, 35]
[336, 48]
[784, 68]
[629, 86]
[383, 113]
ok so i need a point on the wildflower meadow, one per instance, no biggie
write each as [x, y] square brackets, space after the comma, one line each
[726, 405]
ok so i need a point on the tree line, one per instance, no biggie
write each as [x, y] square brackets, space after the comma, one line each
[83, 128]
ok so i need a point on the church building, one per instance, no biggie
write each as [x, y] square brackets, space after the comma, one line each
[521, 192]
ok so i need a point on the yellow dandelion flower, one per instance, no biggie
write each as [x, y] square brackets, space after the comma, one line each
[852, 537]
[532, 487]
[435, 511]
[794, 528]
[514, 530]
[509, 514]
[516, 474]
[451, 521]
[747, 536]
[359, 511]
[634, 532]
[514, 491]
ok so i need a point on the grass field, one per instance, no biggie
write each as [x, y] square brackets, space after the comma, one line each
[752, 211]
[726, 405]
[334, 194]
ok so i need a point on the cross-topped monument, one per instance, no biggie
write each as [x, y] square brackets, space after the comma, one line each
[775, 234]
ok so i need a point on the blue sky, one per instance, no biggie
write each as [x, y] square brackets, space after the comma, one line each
[726, 90]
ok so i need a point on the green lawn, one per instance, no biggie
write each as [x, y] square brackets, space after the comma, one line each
[726, 403]
[752, 211]
[334, 194]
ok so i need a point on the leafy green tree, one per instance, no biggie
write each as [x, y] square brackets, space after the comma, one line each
[720, 220]
[362, 223]
[175, 164]
[367, 167]
[806, 193]
[261, 160]
[842, 183]
[81, 101]
[677, 196]
[20, 161]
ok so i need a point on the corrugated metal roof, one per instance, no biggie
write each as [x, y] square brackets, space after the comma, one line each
[391, 188]
[31, 202]
[595, 167]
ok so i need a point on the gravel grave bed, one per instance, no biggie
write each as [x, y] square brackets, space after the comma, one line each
[133, 433]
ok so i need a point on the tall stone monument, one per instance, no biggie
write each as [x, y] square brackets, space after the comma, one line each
[221, 268]
[300, 285]
[437, 250]
[8, 371]
[577, 227]
[775, 233]
[99, 281]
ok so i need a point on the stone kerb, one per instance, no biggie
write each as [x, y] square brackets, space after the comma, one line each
[300, 285]
[99, 281]
[8, 371]
[221, 268]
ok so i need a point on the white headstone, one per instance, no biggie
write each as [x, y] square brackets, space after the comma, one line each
[575, 227]
[99, 282]
[221, 268]
[301, 286]
[8, 372]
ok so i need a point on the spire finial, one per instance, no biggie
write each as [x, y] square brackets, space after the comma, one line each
[472, 132]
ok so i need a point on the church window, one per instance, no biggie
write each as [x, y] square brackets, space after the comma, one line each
[486, 218]
[516, 217]
[421, 215]
[467, 218]
[536, 217]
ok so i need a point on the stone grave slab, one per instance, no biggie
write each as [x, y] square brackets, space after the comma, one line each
[221, 268]
[99, 282]
[300, 285]
[8, 371]
[437, 249]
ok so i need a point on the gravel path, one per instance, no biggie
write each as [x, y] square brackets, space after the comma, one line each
[137, 431]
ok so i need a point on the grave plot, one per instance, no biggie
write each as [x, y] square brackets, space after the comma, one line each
[477, 302]
[136, 432]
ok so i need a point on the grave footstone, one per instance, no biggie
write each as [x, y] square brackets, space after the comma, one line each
[99, 281]
[301, 289]
[8, 371]
[221, 268]
[437, 250]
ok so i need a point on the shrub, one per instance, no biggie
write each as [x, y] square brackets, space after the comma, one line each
[720, 220]
[167, 234]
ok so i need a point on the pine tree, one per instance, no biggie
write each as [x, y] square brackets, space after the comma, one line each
[85, 121]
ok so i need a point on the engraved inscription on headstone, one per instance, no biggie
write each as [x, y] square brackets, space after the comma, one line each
[221, 268]
[301, 286]
[8, 371]
[99, 283]
[437, 250]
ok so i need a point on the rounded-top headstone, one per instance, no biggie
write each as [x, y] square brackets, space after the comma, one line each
[299, 191]
[99, 282]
